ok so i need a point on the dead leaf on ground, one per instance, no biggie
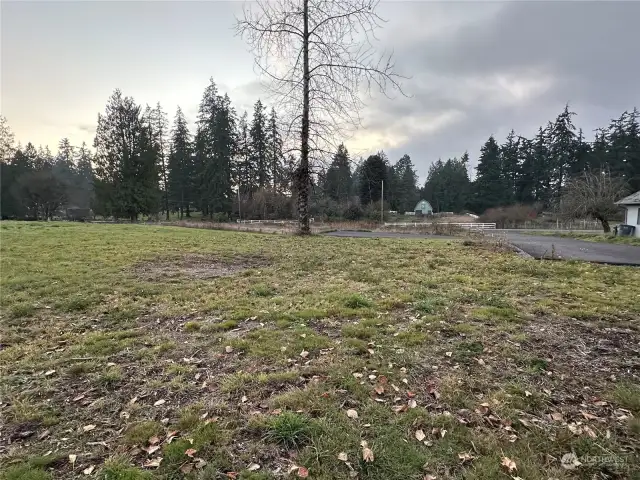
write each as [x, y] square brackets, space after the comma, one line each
[420, 435]
[509, 464]
[351, 413]
[152, 463]
[367, 453]
[89, 470]
[303, 472]
[465, 457]
[190, 452]
[412, 403]
[570, 461]
[186, 468]
[304, 354]
[88, 428]
[157, 403]
[379, 389]
[253, 467]
[228, 349]
[72, 458]
[343, 456]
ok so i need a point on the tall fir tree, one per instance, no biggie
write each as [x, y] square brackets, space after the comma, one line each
[259, 155]
[274, 151]
[338, 177]
[374, 171]
[126, 167]
[180, 166]
[491, 187]
[510, 162]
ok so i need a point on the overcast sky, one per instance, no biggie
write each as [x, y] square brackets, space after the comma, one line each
[475, 68]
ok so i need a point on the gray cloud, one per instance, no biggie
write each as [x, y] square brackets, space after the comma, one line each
[512, 67]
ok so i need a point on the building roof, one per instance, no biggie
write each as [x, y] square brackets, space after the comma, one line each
[633, 199]
[423, 203]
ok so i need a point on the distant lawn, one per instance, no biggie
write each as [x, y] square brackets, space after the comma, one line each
[144, 352]
[590, 237]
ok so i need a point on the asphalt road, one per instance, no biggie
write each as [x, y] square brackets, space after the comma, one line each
[538, 246]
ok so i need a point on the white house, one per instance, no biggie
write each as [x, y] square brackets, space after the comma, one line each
[631, 204]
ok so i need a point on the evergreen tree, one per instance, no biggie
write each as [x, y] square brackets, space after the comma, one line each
[338, 177]
[274, 151]
[562, 150]
[509, 158]
[447, 186]
[7, 140]
[373, 173]
[490, 187]
[204, 148]
[246, 176]
[158, 124]
[258, 136]
[404, 192]
[180, 167]
[224, 149]
[126, 168]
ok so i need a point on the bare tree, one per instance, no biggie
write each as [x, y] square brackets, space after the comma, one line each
[319, 58]
[592, 194]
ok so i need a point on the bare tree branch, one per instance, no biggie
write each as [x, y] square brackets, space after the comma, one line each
[318, 57]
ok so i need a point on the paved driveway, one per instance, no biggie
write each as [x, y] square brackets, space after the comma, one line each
[538, 246]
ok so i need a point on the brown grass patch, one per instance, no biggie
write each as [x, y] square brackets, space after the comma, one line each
[198, 267]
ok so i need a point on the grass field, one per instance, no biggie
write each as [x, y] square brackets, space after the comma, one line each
[140, 352]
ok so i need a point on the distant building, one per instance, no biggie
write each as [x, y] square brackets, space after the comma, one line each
[423, 208]
[631, 204]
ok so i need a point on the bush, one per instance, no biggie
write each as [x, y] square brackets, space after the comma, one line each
[220, 217]
[509, 216]
[353, 212]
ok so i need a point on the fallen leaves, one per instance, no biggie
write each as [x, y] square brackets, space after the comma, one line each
[72, 458]
[89, 470]
[157, 403]
[342, 456]
[190, 452]
[228, 349]
[351, 413]
[253, 467]
[570, 461]
[88, 428]
[152, 463]
[465, 457]
[509, 464]
[420, 435]
[367, 453]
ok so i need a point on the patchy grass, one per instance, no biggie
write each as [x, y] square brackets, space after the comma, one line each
[590, 237]
[170, 353]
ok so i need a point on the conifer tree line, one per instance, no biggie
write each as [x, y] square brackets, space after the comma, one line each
[536, 171]
[234, 165]
[143, 164]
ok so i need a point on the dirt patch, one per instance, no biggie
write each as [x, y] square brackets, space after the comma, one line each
[199, 267]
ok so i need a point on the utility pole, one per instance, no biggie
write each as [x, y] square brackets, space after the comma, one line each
[239, 212]
[382, 204]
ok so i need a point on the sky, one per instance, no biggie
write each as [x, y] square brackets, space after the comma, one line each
[473, 69]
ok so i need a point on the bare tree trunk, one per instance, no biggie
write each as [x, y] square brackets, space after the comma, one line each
[303, 173]
[605, 225]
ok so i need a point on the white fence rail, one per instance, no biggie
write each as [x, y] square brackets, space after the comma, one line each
[271, 222]
[470, 226]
